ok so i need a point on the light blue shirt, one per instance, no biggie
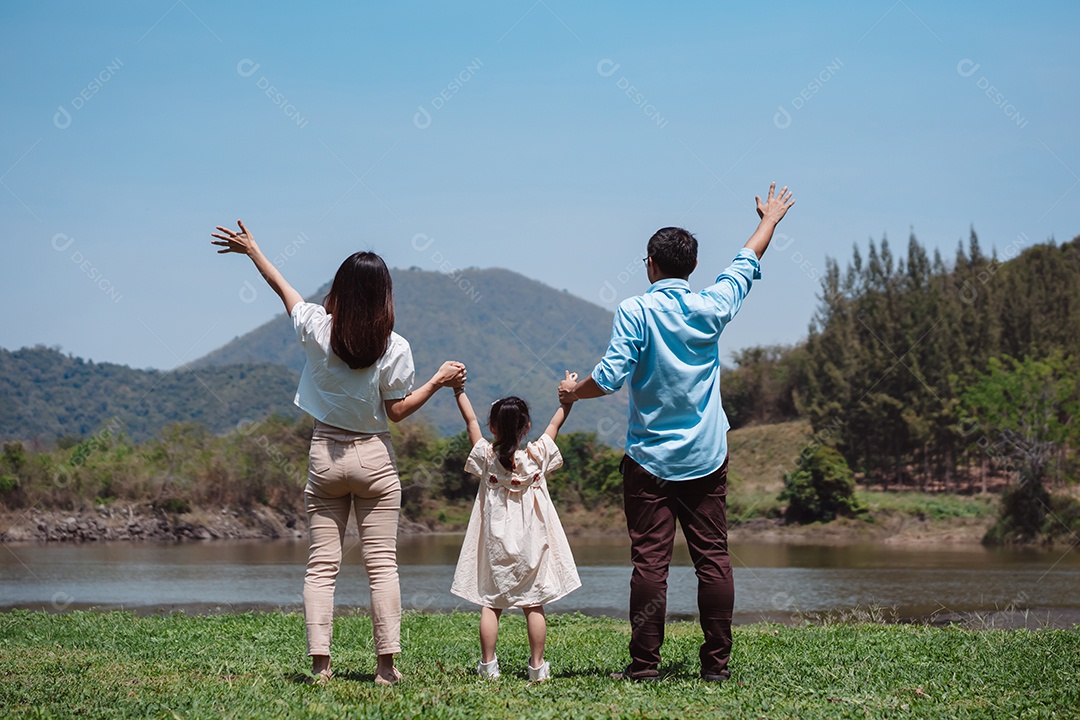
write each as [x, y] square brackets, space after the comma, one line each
[666, 343]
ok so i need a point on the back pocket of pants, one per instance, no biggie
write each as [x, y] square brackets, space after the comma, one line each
[319, 458]
[375, 453]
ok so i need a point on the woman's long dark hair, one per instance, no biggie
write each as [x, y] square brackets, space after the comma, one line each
[361, 303]
[509, 420]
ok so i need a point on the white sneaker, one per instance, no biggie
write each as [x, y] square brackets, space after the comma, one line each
[541, 673]
[489, 671]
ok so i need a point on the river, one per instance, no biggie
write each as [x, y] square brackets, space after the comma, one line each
[773, 581]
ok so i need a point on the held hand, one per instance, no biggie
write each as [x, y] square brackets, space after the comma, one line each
[774, 208]
[451, 372]
[566, 388]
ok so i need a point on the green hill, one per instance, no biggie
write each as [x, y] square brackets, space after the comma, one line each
[516, 336]
[45, 395]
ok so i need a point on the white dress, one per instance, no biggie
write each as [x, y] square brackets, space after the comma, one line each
[515, 552]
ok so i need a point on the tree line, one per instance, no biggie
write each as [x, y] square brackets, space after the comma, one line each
[942, 377]
[900, 347]
[187, 467]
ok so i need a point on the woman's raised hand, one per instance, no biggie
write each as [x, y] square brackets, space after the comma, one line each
[451, 373]
[238, 242]
[243, 243]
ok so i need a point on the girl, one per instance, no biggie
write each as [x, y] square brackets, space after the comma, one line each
[515, 552]
[358, 375]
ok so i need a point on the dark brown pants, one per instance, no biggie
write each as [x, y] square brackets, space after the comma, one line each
[651, 507]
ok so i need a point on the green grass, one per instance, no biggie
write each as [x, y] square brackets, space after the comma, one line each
[932, 506]
[252, 665]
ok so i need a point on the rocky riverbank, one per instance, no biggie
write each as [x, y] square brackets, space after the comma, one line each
[886, 528]
[143, 522]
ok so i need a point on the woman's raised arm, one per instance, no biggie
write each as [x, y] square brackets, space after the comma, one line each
[398, 410]
[244, 243]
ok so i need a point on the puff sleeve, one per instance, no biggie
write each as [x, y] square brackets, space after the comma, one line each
[479, 459]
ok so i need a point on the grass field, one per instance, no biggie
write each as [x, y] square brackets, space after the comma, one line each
[252, 665]
[929, 506]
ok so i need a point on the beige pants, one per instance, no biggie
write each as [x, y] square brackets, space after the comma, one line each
[352, 471]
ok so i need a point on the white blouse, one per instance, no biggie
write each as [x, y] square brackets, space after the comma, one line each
[334, 393]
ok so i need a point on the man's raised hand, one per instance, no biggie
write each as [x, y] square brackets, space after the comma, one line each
[566, 388]
[774, 208]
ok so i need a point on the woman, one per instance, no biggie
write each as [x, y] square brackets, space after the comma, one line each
[358, 375]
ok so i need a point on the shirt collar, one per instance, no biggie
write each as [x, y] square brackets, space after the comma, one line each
[670, 283]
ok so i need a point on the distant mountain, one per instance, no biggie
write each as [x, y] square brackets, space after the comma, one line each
[516, 336]
[45, 395]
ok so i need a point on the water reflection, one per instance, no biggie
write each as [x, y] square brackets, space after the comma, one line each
[773, 581]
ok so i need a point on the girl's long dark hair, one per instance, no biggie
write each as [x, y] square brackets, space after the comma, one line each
[509, 420]
[361, 303]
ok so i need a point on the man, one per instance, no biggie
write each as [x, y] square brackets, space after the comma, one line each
[675, 466]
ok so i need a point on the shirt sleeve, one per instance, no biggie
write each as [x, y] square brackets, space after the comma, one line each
[306, 317]
[627, 338]
[479, 457]
[396, 371]
[547, 454]
[733, 284]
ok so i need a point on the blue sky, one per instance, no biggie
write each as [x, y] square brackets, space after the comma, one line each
[545, 136]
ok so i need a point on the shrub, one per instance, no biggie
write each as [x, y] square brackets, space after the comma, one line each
[1063, 521]
[172, 505]
[8, 483]
[14, 456]
[821, 489]
[1030, 514]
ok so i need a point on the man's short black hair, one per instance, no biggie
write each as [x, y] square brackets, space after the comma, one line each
[673, 251]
